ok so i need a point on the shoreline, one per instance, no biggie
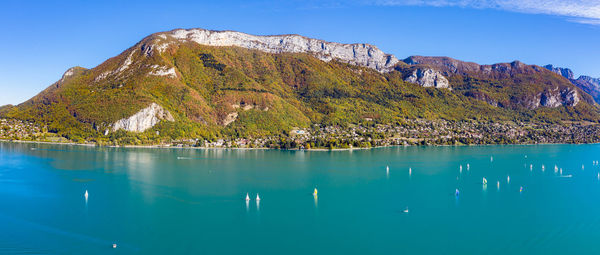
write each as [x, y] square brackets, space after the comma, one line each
[295, 149]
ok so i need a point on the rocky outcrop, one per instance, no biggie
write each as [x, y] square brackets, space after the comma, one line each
[144, 119]
[357, 54]
[589, 85]
[556, 98]
[427, 77]
[586, 83]
[565, 72]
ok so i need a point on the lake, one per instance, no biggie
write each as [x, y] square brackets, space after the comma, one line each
[192, 201]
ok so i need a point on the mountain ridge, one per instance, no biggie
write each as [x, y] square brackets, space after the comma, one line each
[202, 83]
[588, 84]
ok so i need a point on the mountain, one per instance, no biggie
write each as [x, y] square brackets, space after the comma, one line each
[207, 84]
[588, 84]
[565, 72]
[510, 85]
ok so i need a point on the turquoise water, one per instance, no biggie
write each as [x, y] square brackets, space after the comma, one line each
[186, 201]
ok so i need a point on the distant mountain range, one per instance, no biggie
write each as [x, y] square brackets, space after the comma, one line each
[203, 83]
[586, 83]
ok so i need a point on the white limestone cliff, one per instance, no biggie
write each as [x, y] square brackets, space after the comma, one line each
[357, 54]
[428, 78]
[556, 98]
[144, 119]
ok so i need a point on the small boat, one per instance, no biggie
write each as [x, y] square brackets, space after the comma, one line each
[315, 192]
[387, 169]
[531, 167]
[491, 159]
[247, 197]
[406, 210]
[543, 167]
[114, 245]
[460, 168]
[257, 197]
[521, 189]
[484, 181]
[508, 178]
[498, 184]
[582, 167]
[409, 171]
[86, 194]
[456, 193]
[468, 166]
[561, 171]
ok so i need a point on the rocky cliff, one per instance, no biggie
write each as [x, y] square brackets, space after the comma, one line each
[428, 77]
[507, 76]
[357, 54]
[586, 83]
[143, 120]
[565, 72]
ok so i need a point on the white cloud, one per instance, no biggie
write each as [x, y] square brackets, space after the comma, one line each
[581, 11]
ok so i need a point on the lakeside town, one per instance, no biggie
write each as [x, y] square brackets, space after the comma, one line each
[410, 132]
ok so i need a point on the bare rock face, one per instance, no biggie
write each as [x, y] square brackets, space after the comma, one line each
[565, 72]
[357, 54]
[144, 119]
[428, 78]
[556, 98]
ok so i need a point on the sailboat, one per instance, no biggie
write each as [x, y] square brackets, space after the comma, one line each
[257, 197]
[247, 197]
[86, 194]
[315, 192]
[484, 181]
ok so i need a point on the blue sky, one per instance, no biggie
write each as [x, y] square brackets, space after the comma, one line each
[40, 39]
